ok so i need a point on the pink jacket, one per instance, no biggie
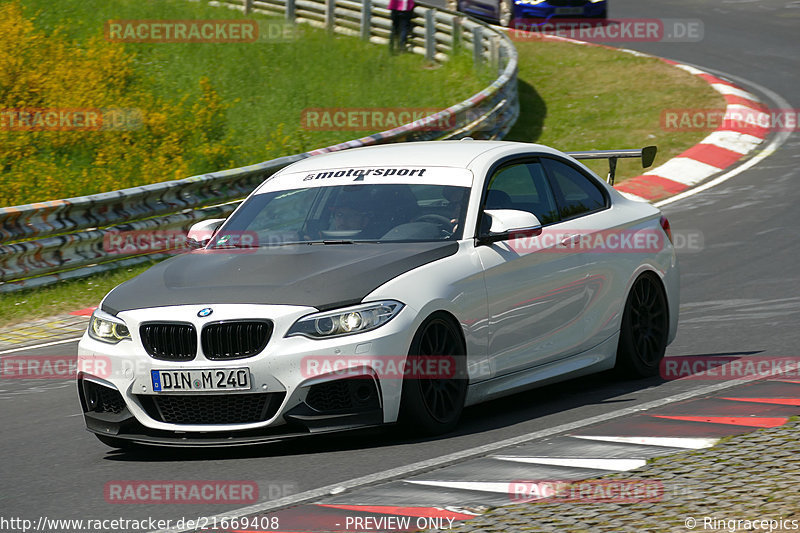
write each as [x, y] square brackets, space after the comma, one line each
[401, 5]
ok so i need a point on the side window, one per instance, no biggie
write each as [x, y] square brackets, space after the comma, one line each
[576, 192]
[522, 186]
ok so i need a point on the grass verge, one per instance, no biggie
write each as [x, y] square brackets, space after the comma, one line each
[205, 106]
[63, 297]
[591, 98]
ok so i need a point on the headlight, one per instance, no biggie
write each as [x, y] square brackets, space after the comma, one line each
[346, 321]
[106, 328]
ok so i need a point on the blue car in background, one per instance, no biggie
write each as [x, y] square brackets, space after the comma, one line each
[506, 11]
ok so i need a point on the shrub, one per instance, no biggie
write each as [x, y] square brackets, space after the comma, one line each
[161, 140]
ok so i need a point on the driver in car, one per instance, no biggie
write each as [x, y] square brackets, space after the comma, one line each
[350, 213]
[349, 218]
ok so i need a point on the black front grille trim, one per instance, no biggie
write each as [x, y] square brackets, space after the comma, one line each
[101, 399]
[208, 409]
[344, 394]
[235, 339]
[169, 341]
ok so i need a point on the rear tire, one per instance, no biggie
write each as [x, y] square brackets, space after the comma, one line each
[644, 330]
[433, 405]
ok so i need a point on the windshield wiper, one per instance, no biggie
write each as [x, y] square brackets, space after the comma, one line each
[334, 241]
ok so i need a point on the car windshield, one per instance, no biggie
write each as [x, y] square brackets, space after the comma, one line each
[351, 213]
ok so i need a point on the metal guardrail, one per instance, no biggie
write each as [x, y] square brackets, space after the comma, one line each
[46, 242]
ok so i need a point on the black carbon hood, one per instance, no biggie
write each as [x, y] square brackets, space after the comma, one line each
[324, 276]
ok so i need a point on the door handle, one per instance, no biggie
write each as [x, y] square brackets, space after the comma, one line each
[570, 241]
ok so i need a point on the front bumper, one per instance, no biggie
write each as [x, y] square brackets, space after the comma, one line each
[118, 400]
[113, 418]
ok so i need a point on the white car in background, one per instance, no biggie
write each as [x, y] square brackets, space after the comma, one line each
[384, 284]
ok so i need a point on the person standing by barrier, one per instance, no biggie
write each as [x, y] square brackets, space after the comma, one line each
[402, 12]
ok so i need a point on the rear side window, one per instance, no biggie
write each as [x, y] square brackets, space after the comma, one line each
[576, 193]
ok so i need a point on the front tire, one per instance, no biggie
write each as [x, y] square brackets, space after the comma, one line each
[433, 405]
[644, 329]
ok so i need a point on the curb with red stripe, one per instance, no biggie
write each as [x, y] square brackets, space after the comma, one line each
[721, 149]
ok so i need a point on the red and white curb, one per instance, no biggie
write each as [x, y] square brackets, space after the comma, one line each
[720, 150]
[717, 152]
[464, 490]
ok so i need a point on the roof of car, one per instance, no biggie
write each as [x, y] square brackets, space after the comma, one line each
[427, 153]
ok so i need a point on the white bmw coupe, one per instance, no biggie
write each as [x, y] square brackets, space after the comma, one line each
[395, 283]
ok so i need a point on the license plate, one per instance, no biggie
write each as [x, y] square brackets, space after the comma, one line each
[569, 11]
[218, 379]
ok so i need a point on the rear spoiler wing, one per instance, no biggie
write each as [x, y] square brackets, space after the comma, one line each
[648, 155]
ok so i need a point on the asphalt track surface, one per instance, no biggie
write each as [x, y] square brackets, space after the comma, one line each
[740, 296]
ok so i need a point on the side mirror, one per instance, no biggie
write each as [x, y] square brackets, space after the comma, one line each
[509, 223]
[201, 232]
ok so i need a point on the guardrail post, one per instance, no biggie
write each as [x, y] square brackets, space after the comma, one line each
[330, 17]
[290, 11]
[494, 51]
[456, 33]
[366, 19]
[477, 45]
[430, 34]
[248, 6]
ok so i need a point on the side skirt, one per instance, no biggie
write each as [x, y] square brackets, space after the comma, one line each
[601, 357]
